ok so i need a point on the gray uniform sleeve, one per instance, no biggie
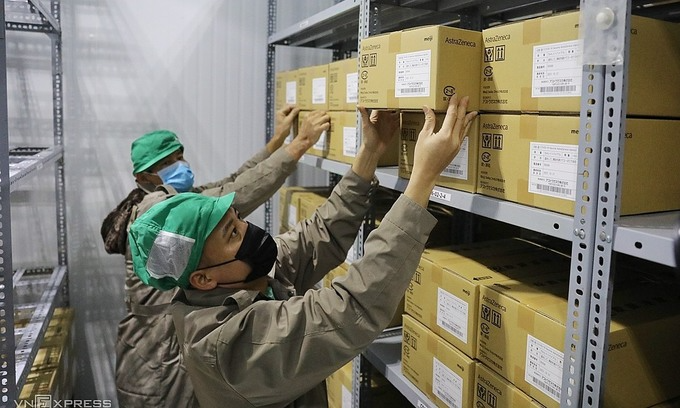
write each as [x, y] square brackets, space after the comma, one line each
[248, 164]
[284, 348]
[255, 185]
[317, 245]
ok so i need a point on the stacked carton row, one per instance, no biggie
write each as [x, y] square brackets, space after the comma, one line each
[53, 371]
[485, 327]
[525, 79]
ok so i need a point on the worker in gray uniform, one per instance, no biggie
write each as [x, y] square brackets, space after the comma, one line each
[249, 339]
[146, 349]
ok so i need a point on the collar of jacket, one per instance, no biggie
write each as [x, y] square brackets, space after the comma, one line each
[242, 298]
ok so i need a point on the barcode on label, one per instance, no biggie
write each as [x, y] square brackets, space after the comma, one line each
[456, 172]
[447, 400]
[547, 388]
[412, 90]
[553, 189]
[451, 328]
[558, 89]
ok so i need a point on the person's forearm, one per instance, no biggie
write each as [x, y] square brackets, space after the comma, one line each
[419, 189]
[297, 148]
[365, 163]
[274, 143]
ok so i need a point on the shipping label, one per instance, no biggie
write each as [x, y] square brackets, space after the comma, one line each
[349, 141]
[352, 91]
[412, 77]
[557, 70]
[291, 92]
[458, 168]
[319, 90]
[446, 384]
[543, 367]
[552, 170]
[452, 314]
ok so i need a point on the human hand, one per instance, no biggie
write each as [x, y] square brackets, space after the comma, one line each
[315, 123]
[283, 121]
[435, 150]
[378, 129]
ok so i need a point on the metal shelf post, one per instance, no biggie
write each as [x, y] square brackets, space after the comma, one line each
[614, 76]
[8, 390]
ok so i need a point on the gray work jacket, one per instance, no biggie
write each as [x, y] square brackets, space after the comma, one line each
[244, 350]
[148, 373]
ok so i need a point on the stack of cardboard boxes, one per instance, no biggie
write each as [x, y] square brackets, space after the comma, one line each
[531, 97]
[440, 330]
[53, 370]
[484, 324]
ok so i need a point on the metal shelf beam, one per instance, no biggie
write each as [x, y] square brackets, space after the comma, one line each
[20, 167]
[30, 15]
[385, 356]
[34, 332]
[649, 236]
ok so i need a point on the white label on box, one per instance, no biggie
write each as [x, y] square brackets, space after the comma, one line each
[321, 143]
[291, 92]
[349, 141]
[319, 90]
[352, 90]
[458, 168]
[552, 170]
[452, 314]
[557, 70]
[544, 367]
[412, 78]
[346, 397]
[292, 215]
[290, 137]
[447, 385]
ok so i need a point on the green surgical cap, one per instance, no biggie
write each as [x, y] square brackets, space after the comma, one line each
[166, 242]
[150, 148]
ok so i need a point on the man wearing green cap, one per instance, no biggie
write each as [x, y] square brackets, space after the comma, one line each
[145, 375]
[249, 339]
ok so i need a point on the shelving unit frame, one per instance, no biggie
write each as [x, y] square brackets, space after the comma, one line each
[18, 348]
[596, 233]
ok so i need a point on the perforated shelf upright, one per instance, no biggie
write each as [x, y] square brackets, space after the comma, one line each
[596, 233]
[30, 294]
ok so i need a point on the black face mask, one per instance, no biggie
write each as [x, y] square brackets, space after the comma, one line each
[258, 250]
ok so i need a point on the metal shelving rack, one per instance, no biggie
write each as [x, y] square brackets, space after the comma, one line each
[30, 295]
[597, 233]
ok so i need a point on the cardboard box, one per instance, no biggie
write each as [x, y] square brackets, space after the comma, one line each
[532, 160]
[522, 332]
[438, 369]
[420, 66]
[343, 85]
[494, 391]
[285, 89]
[312, 89]
[444, 293]
[339, 387]
[308, 204]
[376, 62]
[535, 66]
[343, 144]
[289, 203]
[461, 173]
[321, 147]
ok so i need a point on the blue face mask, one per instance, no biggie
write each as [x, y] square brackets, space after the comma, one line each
[178, 175]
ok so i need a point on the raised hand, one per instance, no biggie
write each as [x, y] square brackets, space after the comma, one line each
[435, 150]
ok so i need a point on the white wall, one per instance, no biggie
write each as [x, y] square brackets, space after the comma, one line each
[130, 66]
